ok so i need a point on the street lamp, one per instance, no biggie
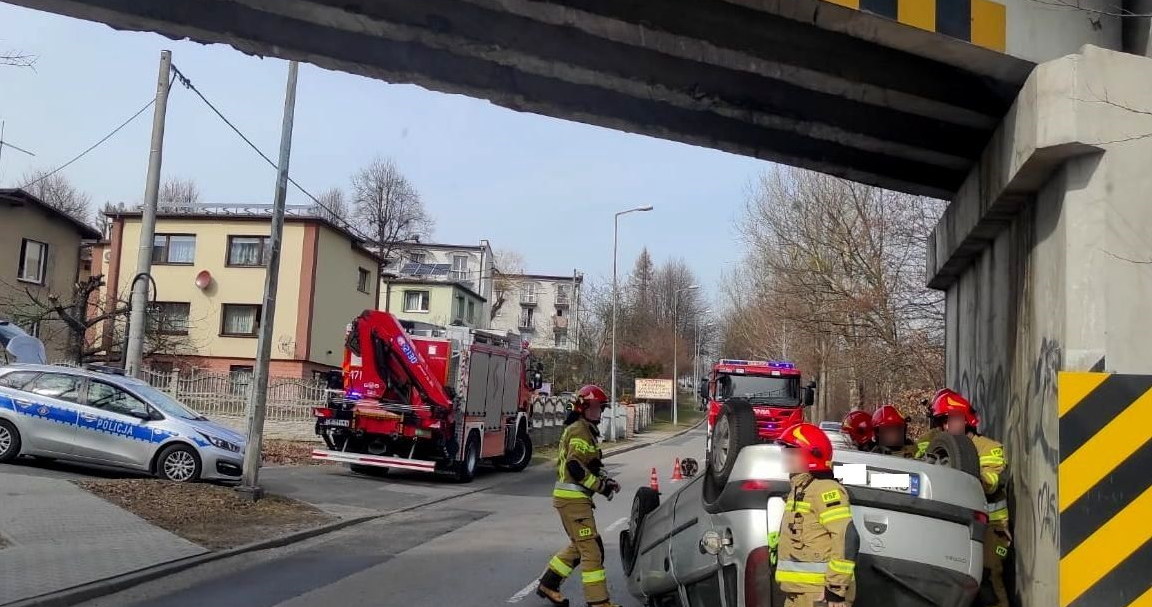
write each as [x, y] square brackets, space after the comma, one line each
[676, 338]
[615, 299]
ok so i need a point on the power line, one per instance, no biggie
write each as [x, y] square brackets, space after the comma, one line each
[90, 148]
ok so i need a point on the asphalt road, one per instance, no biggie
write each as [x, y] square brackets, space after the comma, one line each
[470, 549]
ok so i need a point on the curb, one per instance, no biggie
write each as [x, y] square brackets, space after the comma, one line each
[107, 586]
[628, 448]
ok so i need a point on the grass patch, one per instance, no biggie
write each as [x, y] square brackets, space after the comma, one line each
[212, 516]
[278, 452]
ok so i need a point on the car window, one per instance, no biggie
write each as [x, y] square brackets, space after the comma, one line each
[57, 385]
[110, 398]
[17, 379]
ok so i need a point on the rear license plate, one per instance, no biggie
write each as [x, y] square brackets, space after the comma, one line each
[342, 423]
[861, 475]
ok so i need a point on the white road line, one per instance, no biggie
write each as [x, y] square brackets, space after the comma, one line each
[519, 596]
[618, 524]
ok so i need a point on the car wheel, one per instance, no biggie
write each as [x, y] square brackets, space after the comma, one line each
[178, 463]
[368, 470]
[9, 441]
[465, 470]
[520, 456]
[628, 551]
[735, 428]
[646, 501]
[955, 452]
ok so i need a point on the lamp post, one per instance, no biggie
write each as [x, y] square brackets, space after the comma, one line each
[615, 301]
[676, 338]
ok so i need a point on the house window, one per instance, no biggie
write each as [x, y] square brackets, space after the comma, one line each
[471, 312]
[416, 301]
[458, 313]
[170, 318]
[561, 340]
[363, 279]
[561, 295]
[241, 378]
[33, 328]
[417, 257]
[249, 251]
[459, 267]
[33, 261]
[174, 249]
[529, 293]
[240, 320]
[526, 318]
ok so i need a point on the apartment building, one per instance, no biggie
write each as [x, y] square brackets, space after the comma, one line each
[543, 309]
[209, 265]
[40, 255]
[469, 267]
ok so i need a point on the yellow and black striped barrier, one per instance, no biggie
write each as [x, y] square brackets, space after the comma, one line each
[981, 22]
[1105, 491]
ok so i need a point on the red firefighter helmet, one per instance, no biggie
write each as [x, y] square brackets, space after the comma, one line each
[948, 402]
[587, 396]
[812, 443]
[888, 416]
[858, 426]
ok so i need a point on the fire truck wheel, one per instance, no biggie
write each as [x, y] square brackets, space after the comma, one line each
[368, 470]
[465, 470]
[519, 457]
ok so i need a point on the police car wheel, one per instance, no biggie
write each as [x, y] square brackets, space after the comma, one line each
[178, 463]
[9, 442]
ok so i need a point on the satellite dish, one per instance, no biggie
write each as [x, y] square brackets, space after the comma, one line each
[203, 279]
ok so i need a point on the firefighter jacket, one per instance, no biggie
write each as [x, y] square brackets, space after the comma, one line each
[817, 544]
[578, 464]
[907, 451]
[992, 465]
[923, 442]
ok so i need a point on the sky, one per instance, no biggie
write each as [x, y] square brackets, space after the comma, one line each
[543, 187]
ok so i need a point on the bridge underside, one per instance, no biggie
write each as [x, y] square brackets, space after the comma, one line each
[801, 82]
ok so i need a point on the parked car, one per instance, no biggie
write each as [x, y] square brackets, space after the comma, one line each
[100, 416]
[920, 542]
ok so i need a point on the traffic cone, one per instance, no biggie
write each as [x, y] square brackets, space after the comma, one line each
[654, 481]
[676, 475]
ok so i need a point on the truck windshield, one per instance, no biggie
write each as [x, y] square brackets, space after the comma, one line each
[784, 390]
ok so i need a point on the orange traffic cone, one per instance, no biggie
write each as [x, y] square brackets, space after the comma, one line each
[676, 475]
[654, 481]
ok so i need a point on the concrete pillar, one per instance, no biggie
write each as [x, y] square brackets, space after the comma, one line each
[1045, 258]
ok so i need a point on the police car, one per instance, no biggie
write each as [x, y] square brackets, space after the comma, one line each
[99, 416]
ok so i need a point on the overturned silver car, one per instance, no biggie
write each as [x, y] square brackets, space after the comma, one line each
[920, 536]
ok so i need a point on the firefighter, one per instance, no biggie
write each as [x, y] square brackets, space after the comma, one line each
[953, 414]
[892, 433]
[858, 426]
[579, 477]
[816, 552]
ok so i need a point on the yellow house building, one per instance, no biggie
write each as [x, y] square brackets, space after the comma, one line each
[208, 263]
[434, 302]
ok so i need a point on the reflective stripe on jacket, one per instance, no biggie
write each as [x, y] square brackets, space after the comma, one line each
[579, 443]
[813, 552]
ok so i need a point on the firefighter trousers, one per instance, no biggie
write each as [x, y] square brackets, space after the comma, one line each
[993, 592]
[585, 548]
[804, 600]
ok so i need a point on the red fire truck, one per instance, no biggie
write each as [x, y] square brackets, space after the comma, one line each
[428, 404]
[772, 389]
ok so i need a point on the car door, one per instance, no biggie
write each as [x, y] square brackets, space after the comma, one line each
[47, 407]
[112, 427]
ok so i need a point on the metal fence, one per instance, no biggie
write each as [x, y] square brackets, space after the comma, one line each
[224, 395]
[548, 413]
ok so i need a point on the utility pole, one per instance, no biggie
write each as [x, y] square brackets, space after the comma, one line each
[258, 396]
[138, 318]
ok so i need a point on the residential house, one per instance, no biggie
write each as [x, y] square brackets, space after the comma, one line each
[434, 302]
[470, 267]
[40, 255]
[543, 309]
[208, 262]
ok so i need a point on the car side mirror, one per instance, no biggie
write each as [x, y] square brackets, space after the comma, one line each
[810, 394]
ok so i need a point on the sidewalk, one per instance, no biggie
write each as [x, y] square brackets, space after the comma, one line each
[644, 439]
[59, 536]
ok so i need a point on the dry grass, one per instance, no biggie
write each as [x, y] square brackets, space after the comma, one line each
[210, 515]
[291, 453]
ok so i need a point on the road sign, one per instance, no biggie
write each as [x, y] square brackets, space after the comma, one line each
[653, 389]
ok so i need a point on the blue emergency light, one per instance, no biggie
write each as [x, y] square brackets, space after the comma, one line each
[759, 363]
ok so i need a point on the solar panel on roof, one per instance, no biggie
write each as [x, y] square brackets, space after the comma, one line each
[423, 270]
[409, 268]
[441, 269]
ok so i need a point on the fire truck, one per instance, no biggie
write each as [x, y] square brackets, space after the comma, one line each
[428, 404]
[771, 389]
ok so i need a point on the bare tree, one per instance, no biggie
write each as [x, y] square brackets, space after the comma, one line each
[388, 206]
[17, 59]
[334, 206]
[176, 191]
[55, 190]
[506, 283]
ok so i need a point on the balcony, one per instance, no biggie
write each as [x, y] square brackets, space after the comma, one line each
[562, 299]
[560, 324]
[527, 324]
[528, 298]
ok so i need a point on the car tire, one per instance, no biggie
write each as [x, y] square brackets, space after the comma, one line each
[628, 551]
[179, 464]
[465, 470]
[520, 456]
[956, 452]
[735, 429]
[646, 501]
[368, 470]
[9, 441]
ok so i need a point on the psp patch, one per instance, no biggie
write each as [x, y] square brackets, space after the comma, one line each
[831, 498]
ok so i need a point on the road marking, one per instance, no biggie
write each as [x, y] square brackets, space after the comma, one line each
[618, 524]
[519, 596]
